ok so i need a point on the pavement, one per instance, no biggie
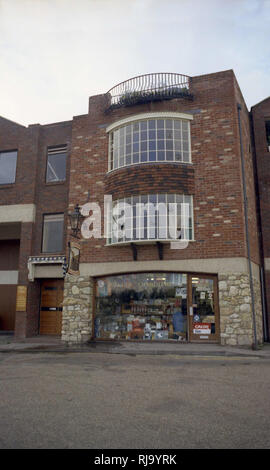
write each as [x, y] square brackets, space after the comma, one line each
[54, 344]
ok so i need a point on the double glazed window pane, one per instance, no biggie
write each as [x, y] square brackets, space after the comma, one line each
[149, 141]
[8, 162]
[53, 230]
[56, 165]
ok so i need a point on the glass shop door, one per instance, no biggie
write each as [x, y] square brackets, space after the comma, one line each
[203, 312]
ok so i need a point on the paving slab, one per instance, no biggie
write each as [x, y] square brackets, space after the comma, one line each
[8, 343]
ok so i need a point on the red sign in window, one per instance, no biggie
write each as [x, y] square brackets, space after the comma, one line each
[202, 328]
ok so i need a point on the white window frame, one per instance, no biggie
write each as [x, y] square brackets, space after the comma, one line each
[47, 218]
[7, 153]
[146, 117]
[169, 199]
[54, 151]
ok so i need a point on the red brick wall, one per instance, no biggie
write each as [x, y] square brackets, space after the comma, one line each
[214, 178]
[249, 174]
[30, 187]
[150, 179]
[259, 114]
[50, 197]
[218, 202]
[16, 137]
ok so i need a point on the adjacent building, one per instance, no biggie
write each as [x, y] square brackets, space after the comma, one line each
[260, 128]
[170, 175]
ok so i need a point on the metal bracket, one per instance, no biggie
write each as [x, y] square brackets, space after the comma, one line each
[160, 250]
[134, 251]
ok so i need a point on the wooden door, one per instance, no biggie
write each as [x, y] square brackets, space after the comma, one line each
[51, 307]
[203, 312]
[9, 260]
[7, 307]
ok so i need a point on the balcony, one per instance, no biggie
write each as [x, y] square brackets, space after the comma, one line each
[150, 87]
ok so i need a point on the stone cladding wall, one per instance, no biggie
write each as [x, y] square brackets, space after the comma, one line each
[236, 325]
[77, 309]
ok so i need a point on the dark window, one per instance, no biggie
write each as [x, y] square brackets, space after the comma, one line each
[267, 128]
[8, 163]
[53, 230]
[56, 164]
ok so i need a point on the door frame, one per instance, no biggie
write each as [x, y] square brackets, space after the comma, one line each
[191, 336]
[59, 309]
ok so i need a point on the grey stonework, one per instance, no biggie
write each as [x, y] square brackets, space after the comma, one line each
[236, 325]
[77, 309]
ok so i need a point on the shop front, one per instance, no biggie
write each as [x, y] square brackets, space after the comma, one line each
[157, 306]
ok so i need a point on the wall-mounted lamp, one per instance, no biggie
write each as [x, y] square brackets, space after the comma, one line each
[75, 219]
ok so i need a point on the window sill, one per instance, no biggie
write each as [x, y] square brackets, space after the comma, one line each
[54, 183]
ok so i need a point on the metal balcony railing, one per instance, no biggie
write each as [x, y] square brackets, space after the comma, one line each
[150, 87]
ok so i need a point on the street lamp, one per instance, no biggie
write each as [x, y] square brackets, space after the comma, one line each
[75, 219]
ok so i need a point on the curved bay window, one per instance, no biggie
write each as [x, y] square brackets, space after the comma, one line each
[156, 217]
[150, 140]
[144, 306]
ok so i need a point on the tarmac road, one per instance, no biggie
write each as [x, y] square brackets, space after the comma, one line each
[105, 401]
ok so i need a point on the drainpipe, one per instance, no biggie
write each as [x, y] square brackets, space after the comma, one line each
[255, 343]
[265, 329]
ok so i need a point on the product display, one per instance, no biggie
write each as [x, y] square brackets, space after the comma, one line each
[203, 306]
[145, 306]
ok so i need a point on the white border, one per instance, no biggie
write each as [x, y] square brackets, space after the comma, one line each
[18, 213]
[186, 265]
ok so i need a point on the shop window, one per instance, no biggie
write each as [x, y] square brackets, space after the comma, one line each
[8, 163]
[151, 217]
[267, 129]
[150, 140]
[56, 164]
[53, 231]
[142, 306]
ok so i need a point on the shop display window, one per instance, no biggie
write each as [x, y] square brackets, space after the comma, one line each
[144, 306]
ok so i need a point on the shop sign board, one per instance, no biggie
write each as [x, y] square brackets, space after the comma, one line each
[202, 328]
[21, 298]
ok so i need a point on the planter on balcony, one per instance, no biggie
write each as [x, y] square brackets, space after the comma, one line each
[150, 87]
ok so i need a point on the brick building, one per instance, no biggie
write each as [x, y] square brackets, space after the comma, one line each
[173, 189]
[260, 127]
